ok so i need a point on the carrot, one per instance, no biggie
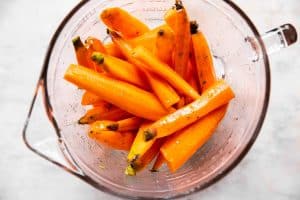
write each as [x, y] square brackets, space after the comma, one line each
[182, 40]
[119, 69]
[95, 44]
[121, 21]
[113, 50]
[192, 79]
[217, 95]
[123, 95]
[165, 93]
[103, 113]
[165, 45]
[139, 146]
[170, 18]
[89, 98]
[181, 103]
[161, 88]
[181, 146]
[129, 124]
[160, 160]
[81, 52]
[113, 139]
[156, 66]
[141, 162]
[203, 58]
[146, 40]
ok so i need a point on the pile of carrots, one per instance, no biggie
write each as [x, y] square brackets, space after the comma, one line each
[152, 92]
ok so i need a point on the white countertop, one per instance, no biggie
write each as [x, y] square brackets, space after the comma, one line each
[270, 171]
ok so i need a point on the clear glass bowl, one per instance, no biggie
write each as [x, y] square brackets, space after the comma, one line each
[240, 57]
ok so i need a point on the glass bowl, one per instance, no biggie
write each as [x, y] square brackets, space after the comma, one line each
[240, 56]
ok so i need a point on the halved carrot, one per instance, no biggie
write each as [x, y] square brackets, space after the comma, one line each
[217, 95]
[165, 43]
[163, 70]
[81, 52]
[89, 98]
[129, 124]
[103, 113]
[182, 40]
[170, 18]
[166, 94]
[113, 50]
[121, 21]
[120, 69]
[203, 57]
[141, 162]
[113, 139]
[160, 160]
[181, 146]
[121, 94]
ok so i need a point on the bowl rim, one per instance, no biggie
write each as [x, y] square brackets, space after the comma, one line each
[43, 83]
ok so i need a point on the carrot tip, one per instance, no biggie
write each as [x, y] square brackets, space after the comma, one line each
[130, 171]
[149, 135]
[113, 127]
[179, 5]
[153, 170]
[194, 27]
[98, 58]
[77, 43]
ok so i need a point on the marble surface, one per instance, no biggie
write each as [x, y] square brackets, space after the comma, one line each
[270, 171]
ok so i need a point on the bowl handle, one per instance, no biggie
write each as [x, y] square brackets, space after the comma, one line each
[279, 38]
[40, 137]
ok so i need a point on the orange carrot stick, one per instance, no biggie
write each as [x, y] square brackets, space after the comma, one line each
[141, 162]
[146, 40]
[164, 71]
[165, 93]
[95, 44]
[182, 40]
[113, 139]
[170, 18]
[160, 160]
[139, 146]
[81, 52]
[121, 21]
[113, 50]
[165, 43]
[89, 98]
[119, 69]
[103, 113]
[123, 95]
[203, 57]
[129, 124]
[217, 95]
[181, 146]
